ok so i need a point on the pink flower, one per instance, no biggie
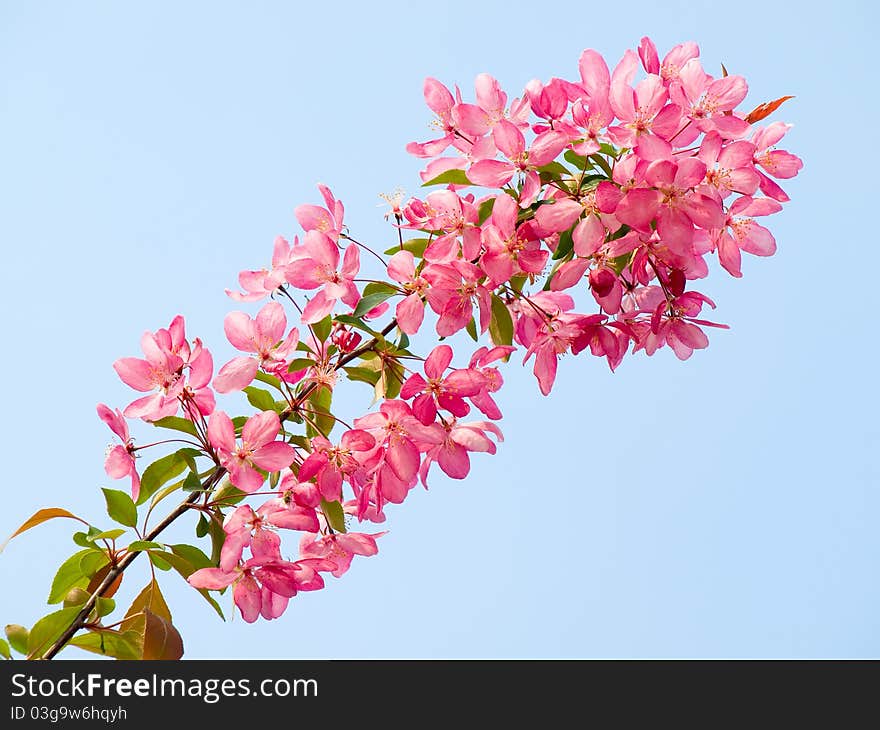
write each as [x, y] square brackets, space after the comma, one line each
[709, 102]
[258, 449]
[324, 220]
[260, 284]
[160, 373]
[729, 168]
[410, 312]
[511, 143]
[453, 217]
[262, 336]
[642, 110]
[120, 459]
[246, 528]
[440, 101]
[446, 393]
[452, 453]
[492, 380]
[400, 438]
[510, 249]
[741, 233]
[778, 163]
[454, 287]
[263, 586]
[331, 464]
[479, 119]
[339, 548]
[317, 268]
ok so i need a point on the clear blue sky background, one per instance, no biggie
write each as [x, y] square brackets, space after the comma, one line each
[726, 506]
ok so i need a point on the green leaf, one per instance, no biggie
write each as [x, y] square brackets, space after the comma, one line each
[579, 161]
[192, 483]
[554, 170]
[139, 545]
[485, 210]
[259, 398]
[228, 495]
[268, 379]
[320, 402]
[363, 375]
[48, 629]
[416, 246]
[335, 514]
[104, 606]
[38, 518]
[322, 328]
[202, 526]
[300, 363]
[177, 423]
[501, 324]
[116, 644]
[18, 637]
[374, 294]
[69, 576]
[358, 323]
[86, 539]
[92, 562]
[471, 329]
[4, 649]
[185, 567]
[158, 561]
[453, 177]
[120, 507]
[193, 555]
[158, 473]
[621, 262]
[218, 536]
[565, 245]
[391, 377]
[113, 534]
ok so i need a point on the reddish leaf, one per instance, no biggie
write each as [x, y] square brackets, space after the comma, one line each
[161, 639]
[765, 110]
[98, 578]
[38, 518]
[149, 599]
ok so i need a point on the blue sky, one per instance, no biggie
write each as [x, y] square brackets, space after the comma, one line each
[726, 506]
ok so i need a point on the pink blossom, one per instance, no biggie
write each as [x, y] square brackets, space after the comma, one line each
[453, 289]
[160, 373]
[452, 453]
[339, 548]
[119, 462]
[410, 312]
[441, 102]
[263, 282]
[258, 448]
[446, 392]
[331, 464]
[263, 336]
[263, 586]
[510, 249]
[512, 144]
[323, 220]
[317, 268]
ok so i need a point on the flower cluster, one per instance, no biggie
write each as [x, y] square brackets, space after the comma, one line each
[612, 190]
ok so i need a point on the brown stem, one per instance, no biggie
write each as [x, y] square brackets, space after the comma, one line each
[81, 618]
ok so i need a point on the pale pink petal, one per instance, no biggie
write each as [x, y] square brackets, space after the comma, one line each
[274, 456]
[135, 373]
